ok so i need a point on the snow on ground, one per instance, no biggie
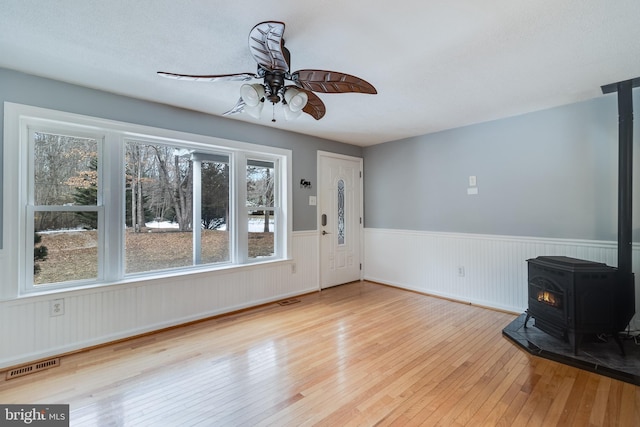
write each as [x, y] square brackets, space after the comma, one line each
[161, 224]
[255, 225]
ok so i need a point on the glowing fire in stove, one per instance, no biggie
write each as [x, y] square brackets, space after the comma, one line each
[548, 298]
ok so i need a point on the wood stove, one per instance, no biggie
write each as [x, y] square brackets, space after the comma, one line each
[570, 298]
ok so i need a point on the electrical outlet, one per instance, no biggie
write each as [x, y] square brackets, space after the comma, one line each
[461, 271]
[56, 307]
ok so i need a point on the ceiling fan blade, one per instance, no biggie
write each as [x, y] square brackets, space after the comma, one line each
[238, 108]
[267, 46]
[315, 107]
[287, 55]
[239, 77]
[331, 82]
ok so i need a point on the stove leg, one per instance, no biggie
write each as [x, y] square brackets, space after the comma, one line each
[576, 343]
[526, 320]
[619, 342]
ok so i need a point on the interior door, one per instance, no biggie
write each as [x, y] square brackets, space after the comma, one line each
[340, 218]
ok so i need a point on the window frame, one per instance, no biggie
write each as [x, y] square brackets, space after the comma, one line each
[112, 137]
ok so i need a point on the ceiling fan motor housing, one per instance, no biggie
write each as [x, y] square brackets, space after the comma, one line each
[274, 81]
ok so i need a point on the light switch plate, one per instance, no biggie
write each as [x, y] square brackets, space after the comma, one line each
[312, 200]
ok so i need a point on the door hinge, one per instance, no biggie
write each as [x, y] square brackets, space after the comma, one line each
[360, 266]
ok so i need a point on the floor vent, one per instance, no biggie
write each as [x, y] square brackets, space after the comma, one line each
[289, 301]
[34, 367]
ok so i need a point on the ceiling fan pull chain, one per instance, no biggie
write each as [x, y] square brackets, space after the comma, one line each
[273, 119]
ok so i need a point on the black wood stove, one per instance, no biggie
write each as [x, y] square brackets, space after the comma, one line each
[571, 298]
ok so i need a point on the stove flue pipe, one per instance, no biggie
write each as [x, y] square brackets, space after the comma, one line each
[626, 297]
[625, 177]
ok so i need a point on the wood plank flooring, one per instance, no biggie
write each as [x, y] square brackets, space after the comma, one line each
[360, 354]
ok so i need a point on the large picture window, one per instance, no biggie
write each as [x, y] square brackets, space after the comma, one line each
[105, 201]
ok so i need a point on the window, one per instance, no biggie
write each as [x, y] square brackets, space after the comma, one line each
[105, 201]
[64, 212]
[261, 208]
[168, 189]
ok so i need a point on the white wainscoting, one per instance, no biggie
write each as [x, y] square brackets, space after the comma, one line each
[495, 267]
[99, 315]
[495, 275]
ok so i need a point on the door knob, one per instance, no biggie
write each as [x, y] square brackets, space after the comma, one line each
[324, 232]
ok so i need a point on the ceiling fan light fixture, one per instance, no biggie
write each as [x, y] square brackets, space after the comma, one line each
[252, 95]
[296, 100]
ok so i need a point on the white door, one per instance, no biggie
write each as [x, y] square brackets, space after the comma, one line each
[340, 218]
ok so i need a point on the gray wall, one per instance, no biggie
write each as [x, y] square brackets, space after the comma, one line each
[551, 173]
[40, 92]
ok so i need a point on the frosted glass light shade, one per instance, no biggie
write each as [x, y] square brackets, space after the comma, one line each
[296, 99]
[252, 94]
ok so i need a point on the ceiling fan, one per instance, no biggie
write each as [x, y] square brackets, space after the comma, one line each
[266, 45]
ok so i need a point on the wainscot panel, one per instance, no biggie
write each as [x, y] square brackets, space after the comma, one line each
[487, 270]
[99, 315]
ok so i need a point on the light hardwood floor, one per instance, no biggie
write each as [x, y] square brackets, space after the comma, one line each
[358, 354]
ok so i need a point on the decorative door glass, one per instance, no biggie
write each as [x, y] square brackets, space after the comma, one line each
[341, 221]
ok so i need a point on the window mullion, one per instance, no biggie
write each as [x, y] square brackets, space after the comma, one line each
[111, 199]
[197, 212]
[277, 209]
[241, 215]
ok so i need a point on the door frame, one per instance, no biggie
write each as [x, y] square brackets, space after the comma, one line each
[319, 198]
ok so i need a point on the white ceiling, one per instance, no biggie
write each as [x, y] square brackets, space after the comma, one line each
[437, 64]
